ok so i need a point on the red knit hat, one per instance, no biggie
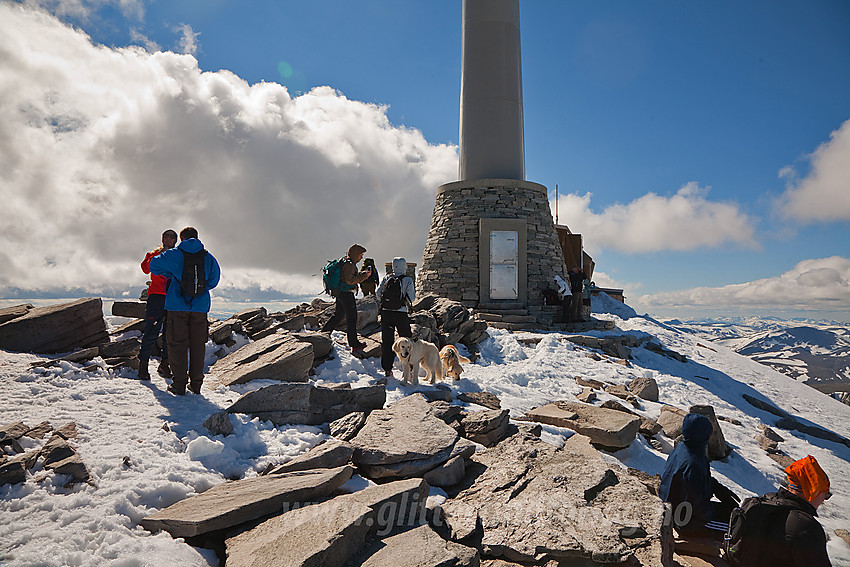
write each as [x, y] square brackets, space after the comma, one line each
[806, 476]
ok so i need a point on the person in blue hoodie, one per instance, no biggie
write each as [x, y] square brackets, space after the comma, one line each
[688, 486]
[187, 325]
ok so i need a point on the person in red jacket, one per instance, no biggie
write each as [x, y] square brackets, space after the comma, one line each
[155, 312]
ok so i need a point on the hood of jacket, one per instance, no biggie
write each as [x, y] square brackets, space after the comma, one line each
[696, 429]
[191, 245]
[399, 266]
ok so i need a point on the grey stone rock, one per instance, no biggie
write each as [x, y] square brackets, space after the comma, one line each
[56, 328]
[717, 446]
[419, 547]
[328, 455]
[67, 431]
[73, 466]
[307, 404]
[407, 430]
[765, 406]
[12, 431]
[771, 434]
[12, 472]
[56, 449]
[670, 420]
[9, 313]
[486, 399]
[645, 387]
[222, 331]
[322, 343]
[39, 431]
[233, 503]
[125, 348]
[605, 427]
[590, 383]
[623, 393]
[219, 423]
[449, 473]
[346, 427]
[446, 411]
[330, 533]
[132, 309]
[587, 395]
[276, 357]
[486, 427]
[532, 501]
[436, 395]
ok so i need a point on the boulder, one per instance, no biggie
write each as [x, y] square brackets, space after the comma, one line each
[670, 420]
[406, 439]
[330, 533]
[530, 502]
[73, 466]
[322, 343]
[449, 473]
[12, 472]
[419, 547]
[39, 431]
[717, 446]
[125, 348]
[590, 383]
[765, 406]
[222, 331]
[623, 393]
[587, 395]
[607, 428]
[56, 449]
[232, 503]
[134, 325]
[486, 427]
[9, 313]
[307, 404]
[56, 328]
[276, 357]
[328, 455]
[131, 309]
[645, 388]
[219, 423]
[12, 432]
[67, 431]
[346, 427]
[485, 399]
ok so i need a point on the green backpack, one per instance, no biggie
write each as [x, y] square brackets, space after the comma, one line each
[331, 276]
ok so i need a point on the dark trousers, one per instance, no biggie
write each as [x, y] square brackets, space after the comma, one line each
[346, 308]
[155, 314]
[392, 321]
[575, 307]
[187, 334]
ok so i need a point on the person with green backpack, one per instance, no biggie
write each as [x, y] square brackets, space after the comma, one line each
[341, 278]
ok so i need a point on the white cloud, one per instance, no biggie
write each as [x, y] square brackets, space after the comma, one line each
[817, 284]
[84, 8]
[188, 42]
[101, 149]
[652, 223]
[823, 194]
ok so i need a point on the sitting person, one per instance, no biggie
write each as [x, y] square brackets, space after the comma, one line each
[688, 486]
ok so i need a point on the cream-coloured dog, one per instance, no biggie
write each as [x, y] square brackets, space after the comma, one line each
[412, 353]
[452, 361]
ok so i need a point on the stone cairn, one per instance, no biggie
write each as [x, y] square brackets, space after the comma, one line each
[450, 262]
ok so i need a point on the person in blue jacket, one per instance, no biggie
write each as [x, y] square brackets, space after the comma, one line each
[688, 486]
[187, 325]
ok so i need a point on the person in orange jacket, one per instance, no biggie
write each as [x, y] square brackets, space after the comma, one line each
[155, 312]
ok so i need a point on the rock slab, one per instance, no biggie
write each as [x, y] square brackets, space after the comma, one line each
[278, 356]
[605, 427]
[233, 503]
[56, 328]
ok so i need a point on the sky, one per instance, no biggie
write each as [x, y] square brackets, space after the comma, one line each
[703, 151]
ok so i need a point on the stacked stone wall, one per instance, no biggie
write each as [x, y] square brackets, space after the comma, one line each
[450, 261]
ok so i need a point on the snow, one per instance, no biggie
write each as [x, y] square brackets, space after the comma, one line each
[147, 449]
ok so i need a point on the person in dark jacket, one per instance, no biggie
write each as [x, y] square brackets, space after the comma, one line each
[369, 286]
[155, 312]
[346, 306]
[688, 486]
[187, 323]
[576, 277]
[792, 537]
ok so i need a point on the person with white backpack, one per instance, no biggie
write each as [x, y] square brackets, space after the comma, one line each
[395, 295]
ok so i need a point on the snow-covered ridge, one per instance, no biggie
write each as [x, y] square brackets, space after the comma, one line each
[118, 417]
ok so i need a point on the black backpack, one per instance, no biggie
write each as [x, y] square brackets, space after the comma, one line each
[391, 298]
[749, 530]
[194, 280]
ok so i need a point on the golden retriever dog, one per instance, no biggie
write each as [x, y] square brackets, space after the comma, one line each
[452, 361]
[412, 353]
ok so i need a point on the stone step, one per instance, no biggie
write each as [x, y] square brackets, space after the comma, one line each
[594, 325]
[519, 326]
[503, 311]
[499, 306]
[499, 317]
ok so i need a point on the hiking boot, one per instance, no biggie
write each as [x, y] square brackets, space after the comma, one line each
[163, 369]
[388, 373]
[195, 388]
[177, 391]
[144, 374]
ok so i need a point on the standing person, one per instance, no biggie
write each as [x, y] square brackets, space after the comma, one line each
[577, 278]
[193, 272]
[155, 312]
[688, 486]
[346, 307]
[370, 284]
[788, 534]
[395, 294]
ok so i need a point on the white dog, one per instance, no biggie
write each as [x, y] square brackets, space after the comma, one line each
[452, 361]
[413, 352]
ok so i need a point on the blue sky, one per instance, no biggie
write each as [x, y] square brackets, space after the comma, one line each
[699, 148]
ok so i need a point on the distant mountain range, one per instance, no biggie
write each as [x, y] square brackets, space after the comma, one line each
[814, 352]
